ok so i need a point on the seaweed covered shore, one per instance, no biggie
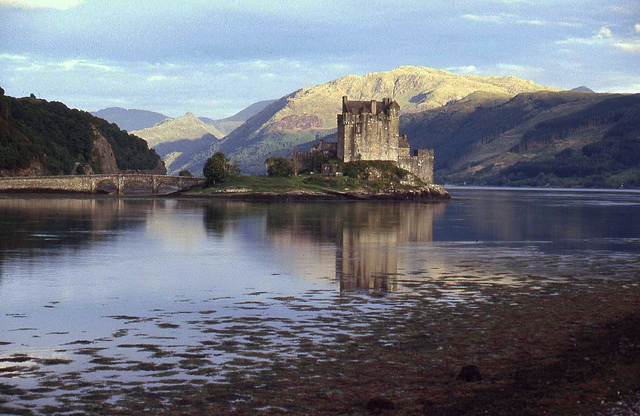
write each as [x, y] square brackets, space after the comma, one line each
[557, 353]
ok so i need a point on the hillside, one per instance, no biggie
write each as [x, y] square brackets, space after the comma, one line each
[38, 137]
[227, 125]
[130, 120]
[296, 118]
[544, 138]
[177, 136]
[187, 127]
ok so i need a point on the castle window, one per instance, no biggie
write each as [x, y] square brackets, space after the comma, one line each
[358, 128]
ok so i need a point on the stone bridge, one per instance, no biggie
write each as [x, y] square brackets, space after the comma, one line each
[121, 184]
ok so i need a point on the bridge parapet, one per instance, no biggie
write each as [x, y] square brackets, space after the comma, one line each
[118, 183]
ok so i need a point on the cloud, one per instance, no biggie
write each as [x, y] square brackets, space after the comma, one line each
[11, 57]
[486, 18]
[570, 24]
[604, 37]
[463, 70]
[614, 81]
[533, 22]
[604, 33]
[75, 63]
[517, 70]
[629, 47]
[160, 78]
[41, 4]
[145, 85]
[636, 27]
[503, 70]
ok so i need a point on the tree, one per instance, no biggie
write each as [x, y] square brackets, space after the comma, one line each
[216, 168]
[279, 167]
[185, 172]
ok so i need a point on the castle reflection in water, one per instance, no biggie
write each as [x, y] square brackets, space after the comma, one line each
[367, 239]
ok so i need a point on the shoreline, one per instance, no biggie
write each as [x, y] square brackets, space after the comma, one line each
[428, 193]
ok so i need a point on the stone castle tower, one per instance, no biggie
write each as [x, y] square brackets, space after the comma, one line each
[369, 130]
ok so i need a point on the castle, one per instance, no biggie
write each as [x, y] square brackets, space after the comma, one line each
[369, 130]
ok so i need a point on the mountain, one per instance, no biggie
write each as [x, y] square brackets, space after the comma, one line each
[130, 119]
[565, 138]
[297, 118]
[187, 127]
[177, 136]
[38, 137]
[582, 88]
[227, 125]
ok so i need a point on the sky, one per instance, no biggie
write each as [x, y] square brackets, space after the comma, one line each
[215, 57]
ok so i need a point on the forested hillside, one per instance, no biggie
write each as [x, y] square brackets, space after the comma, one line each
[41, 137]
[545, 138]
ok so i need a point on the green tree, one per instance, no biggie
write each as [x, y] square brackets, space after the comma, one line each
[279, 167]
[185, 172]
[216, 168]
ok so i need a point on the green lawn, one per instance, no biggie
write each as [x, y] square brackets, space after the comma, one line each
[308, 183]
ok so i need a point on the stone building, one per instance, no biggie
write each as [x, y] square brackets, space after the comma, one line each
[313, 159]
[369, 130]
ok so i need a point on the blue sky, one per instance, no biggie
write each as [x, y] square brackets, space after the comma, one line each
[215, 57]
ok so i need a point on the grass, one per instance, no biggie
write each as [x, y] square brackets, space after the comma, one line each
[305, 184]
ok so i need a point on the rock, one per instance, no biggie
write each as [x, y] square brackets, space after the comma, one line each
[378, 404]
[470, 373]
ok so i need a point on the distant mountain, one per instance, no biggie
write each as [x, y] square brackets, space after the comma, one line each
[566, 138]
[227, 125]
[38, 137]
[176, 155]
[174, 137]
[582, 88]
[296, 118]
[130, 120]
[187, 127]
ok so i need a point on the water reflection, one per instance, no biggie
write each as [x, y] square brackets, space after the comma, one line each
[135, 292]
[539, 215]
[367, 239]
[32, 227]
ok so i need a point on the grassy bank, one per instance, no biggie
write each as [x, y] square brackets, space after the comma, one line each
[316, 186]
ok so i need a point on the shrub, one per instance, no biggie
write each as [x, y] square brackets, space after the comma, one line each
[279, 167]
[216, 168]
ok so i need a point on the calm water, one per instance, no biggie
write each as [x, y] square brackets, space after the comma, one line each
[104, 293]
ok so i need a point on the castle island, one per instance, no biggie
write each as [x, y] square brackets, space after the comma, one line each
[369, 131]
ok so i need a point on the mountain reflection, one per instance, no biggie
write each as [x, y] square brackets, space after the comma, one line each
[37, 226]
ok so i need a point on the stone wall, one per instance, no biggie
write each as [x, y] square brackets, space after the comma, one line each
[313, 159]
[421, 164]
[302, 161]
[154, 184]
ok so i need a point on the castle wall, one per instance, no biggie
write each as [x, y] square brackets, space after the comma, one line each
[421, 164]
[302, 161]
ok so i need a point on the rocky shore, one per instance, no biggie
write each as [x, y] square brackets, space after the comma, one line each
[424, 193]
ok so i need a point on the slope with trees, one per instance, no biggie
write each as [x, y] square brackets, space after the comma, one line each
[41, 137]
[563, 138]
